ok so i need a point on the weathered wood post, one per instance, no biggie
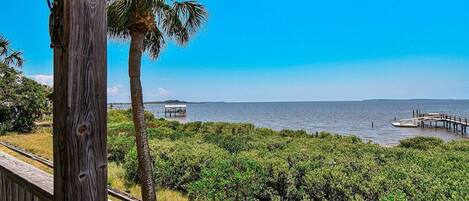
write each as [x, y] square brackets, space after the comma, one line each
[78, 33]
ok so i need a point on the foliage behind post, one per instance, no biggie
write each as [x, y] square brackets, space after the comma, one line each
[22, 100]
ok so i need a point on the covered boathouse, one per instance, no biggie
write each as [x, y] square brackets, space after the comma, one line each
[175, 110]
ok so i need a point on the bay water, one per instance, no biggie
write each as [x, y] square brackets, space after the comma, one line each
[369, 120]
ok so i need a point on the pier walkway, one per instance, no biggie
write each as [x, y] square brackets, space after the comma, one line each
[455, 123]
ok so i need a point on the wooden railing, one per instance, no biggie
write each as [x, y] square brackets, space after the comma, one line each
[115, 193]
[20, 181]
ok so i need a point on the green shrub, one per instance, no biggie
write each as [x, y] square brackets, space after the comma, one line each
[293, 133]
[167, 133]
[323, 135]
[458, 146]
[265, 131]
[117, 116]
[118, 146]
[229, 142]
[176, 163]
[191, 127]
[123, 128]
[161, 123]
[22, 100]
[394, 196]
[227, 128]
[222, 161]
[131, 166]
[149, 116]
[4, 127]
[421, 143]
[238, 178]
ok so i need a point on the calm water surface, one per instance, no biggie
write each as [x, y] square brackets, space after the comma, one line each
[345, 118]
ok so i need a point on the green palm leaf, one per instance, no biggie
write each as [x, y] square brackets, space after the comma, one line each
[177, 21]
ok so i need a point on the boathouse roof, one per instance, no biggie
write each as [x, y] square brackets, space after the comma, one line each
[175, 106]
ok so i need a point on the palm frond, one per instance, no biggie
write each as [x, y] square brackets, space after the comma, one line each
[173, 26]
[120, 18]
[122, 15]
[192, 13]
[15, 58]
[181, 19]
[154, 42]
[157, 19]
[4, 43]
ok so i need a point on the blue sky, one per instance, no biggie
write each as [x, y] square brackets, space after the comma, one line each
[276, 50]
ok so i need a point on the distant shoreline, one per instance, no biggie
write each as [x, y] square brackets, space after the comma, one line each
[365, 100]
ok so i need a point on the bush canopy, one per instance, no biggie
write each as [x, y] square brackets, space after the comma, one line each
[22, 100]
[227, 161]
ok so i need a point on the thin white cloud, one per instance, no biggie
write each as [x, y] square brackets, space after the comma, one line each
[43, 79]
[114, 90]
[163, 92]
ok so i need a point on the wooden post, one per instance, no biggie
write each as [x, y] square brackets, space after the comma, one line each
[79, 38]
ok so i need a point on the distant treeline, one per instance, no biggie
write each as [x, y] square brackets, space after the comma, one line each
[156, 102]
[165, 102]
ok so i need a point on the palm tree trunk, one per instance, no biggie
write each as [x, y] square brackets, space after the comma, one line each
[143, 151]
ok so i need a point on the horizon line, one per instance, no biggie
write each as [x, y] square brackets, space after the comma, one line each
[299, 101]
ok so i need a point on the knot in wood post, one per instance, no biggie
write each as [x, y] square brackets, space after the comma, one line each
[83, 129]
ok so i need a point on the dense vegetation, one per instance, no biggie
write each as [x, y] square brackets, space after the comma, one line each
[223, 161]
[22, 100]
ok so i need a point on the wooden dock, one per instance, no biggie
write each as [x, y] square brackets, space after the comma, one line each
[454, 123]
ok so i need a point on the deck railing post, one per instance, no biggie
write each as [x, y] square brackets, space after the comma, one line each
[79, 42]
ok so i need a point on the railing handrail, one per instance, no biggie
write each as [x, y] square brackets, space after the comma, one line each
[33, 180]
[446, 117]
[113, 192]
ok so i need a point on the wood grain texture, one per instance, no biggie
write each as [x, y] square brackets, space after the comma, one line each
[20, 181]
[80, 171]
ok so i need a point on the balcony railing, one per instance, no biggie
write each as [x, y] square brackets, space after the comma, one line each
[20, 181]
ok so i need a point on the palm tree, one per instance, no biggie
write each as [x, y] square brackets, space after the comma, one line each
[15, 58]
[148, 23]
